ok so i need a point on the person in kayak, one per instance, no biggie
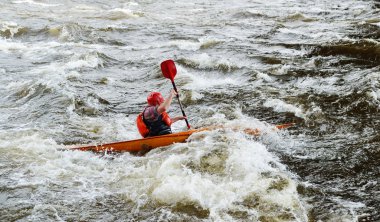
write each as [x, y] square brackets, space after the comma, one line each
[154, 121]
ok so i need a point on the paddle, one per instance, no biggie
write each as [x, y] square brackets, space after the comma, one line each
[169, 71]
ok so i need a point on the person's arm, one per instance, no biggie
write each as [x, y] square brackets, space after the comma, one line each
[165, 105]
[175, 119]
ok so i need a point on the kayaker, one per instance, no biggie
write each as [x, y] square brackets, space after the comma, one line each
[154, 121]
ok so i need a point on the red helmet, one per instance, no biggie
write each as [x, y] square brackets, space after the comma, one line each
[155, 98]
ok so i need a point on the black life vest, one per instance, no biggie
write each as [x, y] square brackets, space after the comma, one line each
[161, 126]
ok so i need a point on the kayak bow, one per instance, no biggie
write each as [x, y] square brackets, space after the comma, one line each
[146, 144]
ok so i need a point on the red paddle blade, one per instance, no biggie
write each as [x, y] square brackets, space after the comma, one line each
[168, 69]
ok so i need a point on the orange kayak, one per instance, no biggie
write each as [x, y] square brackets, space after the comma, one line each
[146, 144]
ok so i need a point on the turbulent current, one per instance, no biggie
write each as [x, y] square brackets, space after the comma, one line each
[76, 72]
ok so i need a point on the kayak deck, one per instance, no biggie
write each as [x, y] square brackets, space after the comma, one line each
[146, 144]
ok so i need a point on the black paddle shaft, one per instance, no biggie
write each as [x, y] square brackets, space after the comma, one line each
[180, 105]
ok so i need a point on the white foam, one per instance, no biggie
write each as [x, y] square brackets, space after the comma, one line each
[109, 128]
[82, 8]
[55, 74]
[265, 77]
[17, 85]
[245, 163]
[47, 164]
[9, 46]
[351, 206]
[186, 45]
[283, 69]
[131, 4]
[319, 85]
[121, 13]
[90, 60]
[12, 27]
[281, 106]
[35, 3]
[375, 95]
[192, 45]
[205, 61]
[205, 80]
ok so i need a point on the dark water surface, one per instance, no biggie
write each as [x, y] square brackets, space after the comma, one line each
[78, 72]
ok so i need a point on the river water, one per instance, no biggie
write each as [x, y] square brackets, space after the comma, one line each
[78, 71]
